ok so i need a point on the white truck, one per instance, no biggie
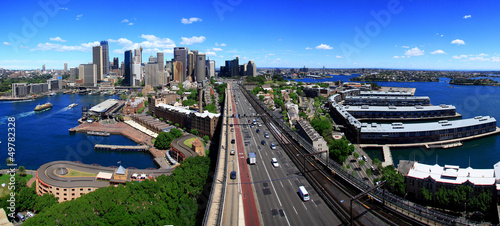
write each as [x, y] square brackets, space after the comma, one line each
[303, 193]
[251, 158]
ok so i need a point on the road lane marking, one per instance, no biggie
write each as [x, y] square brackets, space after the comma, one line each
[290, 183]
[295, 210]
[304, 205]
[281, 184]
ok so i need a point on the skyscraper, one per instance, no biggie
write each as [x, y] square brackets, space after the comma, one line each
[251, 68]
[234, 69]
[43, 67]
[200, 67]
[178, 71]
[190, 63]
[72, 74]
[115, 63]
[97, 60]
[89, 74]
[210, 68]
[160, 57]
[152, 76]
[137, 56]
[127, 67]
[65, 67]
[180, 55]
[105, 57]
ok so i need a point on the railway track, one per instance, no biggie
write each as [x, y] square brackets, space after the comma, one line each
[333, 191]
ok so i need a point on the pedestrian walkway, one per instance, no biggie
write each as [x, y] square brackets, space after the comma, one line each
[141, 128]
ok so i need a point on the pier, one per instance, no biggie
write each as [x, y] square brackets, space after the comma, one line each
[387, 156]
[107, 147]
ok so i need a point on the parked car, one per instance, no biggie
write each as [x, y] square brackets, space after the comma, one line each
[233, 175]
[30, 214]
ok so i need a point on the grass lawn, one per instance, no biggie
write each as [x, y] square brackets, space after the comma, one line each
[188, 142]
[76, 173]
[6, 179]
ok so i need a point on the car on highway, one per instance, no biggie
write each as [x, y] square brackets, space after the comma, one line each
[263, 142]
[266, 135]
[260, 125]
[364, 158]
[258, 130]
[232, 129]
[233, 175]
[251, 126]
[275, 163]
[233, 151]
[273, 146]
[233, 141]
[303, 193]
[249, 121]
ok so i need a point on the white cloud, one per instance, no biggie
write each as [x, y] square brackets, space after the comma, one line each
[79, 16]
[324, 46]
[210, 53]
[308, 48]
[192, 40]
[7, 43]
[495, 59]
[222, 44]
[130, 24]
[63, 8]
[438, 52]
[270, 54]
[278, 58]
[483, 54]
[405, 47]
[23, 47]
[217, 49]
[152, 44]
[84, 47]
[458, 42]
[467, 16]
[395, 57]
[339, 57]
[459, 57]
[57, 39]
[190, 20]
[124, 21]
[414, 52]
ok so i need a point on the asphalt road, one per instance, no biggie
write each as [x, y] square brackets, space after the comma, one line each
[276, 189]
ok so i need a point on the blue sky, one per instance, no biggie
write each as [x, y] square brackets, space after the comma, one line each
[402, 34]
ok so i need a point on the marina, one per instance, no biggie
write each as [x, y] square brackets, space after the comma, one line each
[107, 147]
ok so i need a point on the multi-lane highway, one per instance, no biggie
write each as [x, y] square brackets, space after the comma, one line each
[275, 188]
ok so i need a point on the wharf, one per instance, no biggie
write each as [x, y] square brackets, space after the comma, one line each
[447, 143]
[387, 156]
[107, 147]
[456, 116]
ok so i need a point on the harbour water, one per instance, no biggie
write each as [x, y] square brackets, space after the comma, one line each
[42, 137]
[470, 101]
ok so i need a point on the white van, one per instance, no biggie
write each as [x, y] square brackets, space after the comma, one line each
[303, 193]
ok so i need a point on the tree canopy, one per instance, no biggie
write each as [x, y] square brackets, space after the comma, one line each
[166, 200]
[164, 139]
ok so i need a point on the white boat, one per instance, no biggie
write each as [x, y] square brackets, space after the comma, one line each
[73, 105]
[52, 94]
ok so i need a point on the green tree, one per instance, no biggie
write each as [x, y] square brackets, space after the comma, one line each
[44, 202]
[211, 108]
[22, 171]
[302, 114]
[426, 194]
[261, 97]
[123, 97]
[206, 138]
[163, 140]
[368, 172]
[140, 94]
[356, 155]
[194, 132]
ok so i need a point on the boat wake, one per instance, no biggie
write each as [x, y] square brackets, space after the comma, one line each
[4, 119]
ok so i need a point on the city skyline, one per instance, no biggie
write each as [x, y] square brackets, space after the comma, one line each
[362, 34]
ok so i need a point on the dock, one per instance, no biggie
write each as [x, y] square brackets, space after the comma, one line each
[444, 145]
[387, 156]
[98, 133]
[107, 147]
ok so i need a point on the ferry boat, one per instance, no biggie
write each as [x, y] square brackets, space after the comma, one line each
[73, 105]
[43, 106]
[52, 94]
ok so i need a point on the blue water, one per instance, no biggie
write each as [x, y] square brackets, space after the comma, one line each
[43, 137]
[470, 101]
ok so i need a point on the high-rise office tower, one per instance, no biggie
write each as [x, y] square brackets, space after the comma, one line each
[234, 69]
[43, 67]
[169, 65]
[137, 56]
[200, 67]
[210, 68]
[251, 68]
[180, 55]
[105, 57]
[127, 67]
[72, 74]
[89, 74]
[152, 75]
[191, 64]
[65, 67]
[115, 63]
[178, 71]
[136, 74]
[160, 58]
[152, 60]
[97, 60]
